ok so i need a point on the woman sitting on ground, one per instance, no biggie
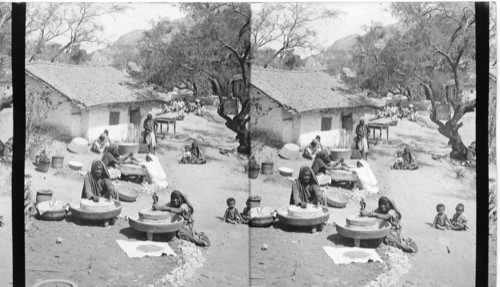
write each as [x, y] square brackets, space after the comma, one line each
[321, 165]
[409, 161]
[388, 211]
[196, 155]
[112, 157]
[180, 205]
[97, 183]
[313, 149]
[305, 189]
[101, 144]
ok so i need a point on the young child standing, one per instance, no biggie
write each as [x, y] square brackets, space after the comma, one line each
[232, 215]
[458, 222]
[441, 220]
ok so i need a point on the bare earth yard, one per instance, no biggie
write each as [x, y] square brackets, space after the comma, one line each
[90, 256]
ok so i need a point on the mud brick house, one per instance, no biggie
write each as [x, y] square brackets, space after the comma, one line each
[292, 104]
[88, 99]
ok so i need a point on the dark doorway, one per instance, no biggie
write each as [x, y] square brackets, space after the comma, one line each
[135, 117]
[347, 122]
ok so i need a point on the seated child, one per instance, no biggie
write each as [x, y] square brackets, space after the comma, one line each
[232, 215]
[441, 220]
[458, 222]
[399, 163]
[186, 156]
[245, 215]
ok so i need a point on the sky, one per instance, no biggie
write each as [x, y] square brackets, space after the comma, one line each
[139, 16]
[351, 21]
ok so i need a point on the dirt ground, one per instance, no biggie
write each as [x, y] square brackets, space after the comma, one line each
[294, 257]
[416, 194]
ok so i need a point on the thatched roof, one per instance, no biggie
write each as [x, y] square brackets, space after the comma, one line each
[307, 91]
[90, 86]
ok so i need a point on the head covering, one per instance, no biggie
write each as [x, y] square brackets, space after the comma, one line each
[183, 199]
[390, 203]
[407, 157]
[195, 149]
[97, 163]
[303, 170]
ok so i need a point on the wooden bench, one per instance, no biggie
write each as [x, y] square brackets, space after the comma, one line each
[165, 120]
[343, 175]
[380, 127]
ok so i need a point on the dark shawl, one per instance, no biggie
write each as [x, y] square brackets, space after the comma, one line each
[111, 157]
[93, 186]
[321, 162]
[302, 192]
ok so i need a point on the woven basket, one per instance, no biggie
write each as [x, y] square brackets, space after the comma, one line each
[127, 193]
[336, 199]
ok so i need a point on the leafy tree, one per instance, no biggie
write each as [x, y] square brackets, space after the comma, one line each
[203, 53]
[436, 44]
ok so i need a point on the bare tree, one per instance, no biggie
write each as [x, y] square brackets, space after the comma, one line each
[82, 23]
[78, 22]
[288, 24]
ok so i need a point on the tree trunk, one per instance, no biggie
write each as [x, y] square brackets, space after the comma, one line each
[450, 128]
[60, 51]
[5, 103]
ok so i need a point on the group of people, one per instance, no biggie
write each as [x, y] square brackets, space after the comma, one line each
[306, 189]
[185, 106]
[405, 160]
[457, 222]
[193, 155]
[97, 183]
[397, 111]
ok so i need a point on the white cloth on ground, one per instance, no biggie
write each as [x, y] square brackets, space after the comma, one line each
[323, 179]
[156, 173]
[366, 178]
[135, 248]
[261, 212]
[346, 255]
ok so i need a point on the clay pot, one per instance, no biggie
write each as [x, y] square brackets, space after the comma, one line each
[267, 168]
[57, 161]
[43, 166]
[44, 195]
[253, 172]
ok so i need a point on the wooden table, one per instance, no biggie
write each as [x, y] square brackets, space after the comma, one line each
[165, 120]
[380, 127]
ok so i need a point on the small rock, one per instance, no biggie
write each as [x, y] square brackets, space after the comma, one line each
[59, 240]
[90, 271]
[264, 247]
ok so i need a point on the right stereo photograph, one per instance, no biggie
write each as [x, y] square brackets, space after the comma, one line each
[363, 126]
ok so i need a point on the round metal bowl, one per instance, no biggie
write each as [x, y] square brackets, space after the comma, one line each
[173, 224]
[294, 221]
[51, 214]
[264, 221]
[55, 282]
[285, 171]
[77, 212]
[381, 232]
[75, 165]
